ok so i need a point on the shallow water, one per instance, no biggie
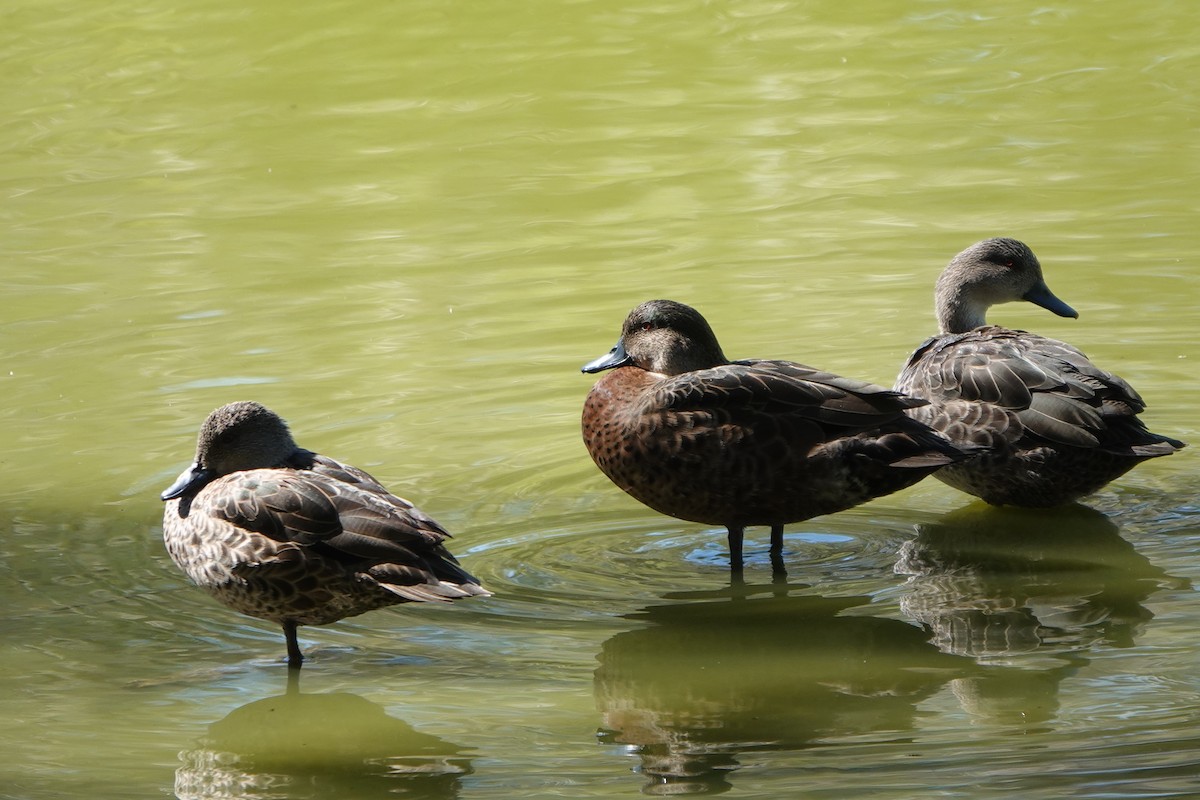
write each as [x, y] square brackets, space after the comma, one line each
[404, 226]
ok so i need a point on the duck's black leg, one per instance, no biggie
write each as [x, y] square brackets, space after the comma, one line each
[295, 658]
[777, 567]
[776, 541]
[735, 548]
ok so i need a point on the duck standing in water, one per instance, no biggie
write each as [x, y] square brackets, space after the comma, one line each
[281, 533]
[1055, 426]
[737, 443]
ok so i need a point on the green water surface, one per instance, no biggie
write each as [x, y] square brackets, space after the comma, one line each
[404, 225]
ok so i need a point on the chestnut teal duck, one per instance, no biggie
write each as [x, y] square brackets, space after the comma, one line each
[281, 533]
[1055, 426]
[696, 436]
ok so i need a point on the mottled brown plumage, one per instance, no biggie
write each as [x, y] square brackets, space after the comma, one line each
[280, 533]
[695, 436]
[1055, 426]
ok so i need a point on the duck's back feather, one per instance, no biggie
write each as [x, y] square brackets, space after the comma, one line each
[784, 387]
[1029, 398]
[1055, 392]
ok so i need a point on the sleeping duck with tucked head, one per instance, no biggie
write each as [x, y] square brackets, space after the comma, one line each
[1055, 427]
[281, 533]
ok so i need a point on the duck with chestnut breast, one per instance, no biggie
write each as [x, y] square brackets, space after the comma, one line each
[696, 436]
[281, 533]
[1055, 427]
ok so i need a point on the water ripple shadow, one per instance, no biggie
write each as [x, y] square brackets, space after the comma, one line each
[330, 745]
[584, 566]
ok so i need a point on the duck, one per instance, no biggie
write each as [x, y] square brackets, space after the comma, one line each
[693, 435]
[284, 534]
[1053, 426]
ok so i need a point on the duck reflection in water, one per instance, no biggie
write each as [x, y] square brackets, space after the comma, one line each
[750, 669]
[335, 745]
[1032, 590]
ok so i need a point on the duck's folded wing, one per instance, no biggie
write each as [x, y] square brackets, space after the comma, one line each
[1084, 379]
[309, 508]
[1062, 419]
[1022, 383]
[383, 503]
[382, 537]
[284, 506]
[787, 389]
[987, 369]
[401, 548]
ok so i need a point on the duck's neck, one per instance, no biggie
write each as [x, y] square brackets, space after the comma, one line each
[960, 320]
[689, 360]
[680, 354]
[957, 310]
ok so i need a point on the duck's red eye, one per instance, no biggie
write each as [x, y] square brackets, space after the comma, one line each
[1008, 263]
[647, 326]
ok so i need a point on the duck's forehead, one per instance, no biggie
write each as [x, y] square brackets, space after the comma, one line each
[639, 317]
